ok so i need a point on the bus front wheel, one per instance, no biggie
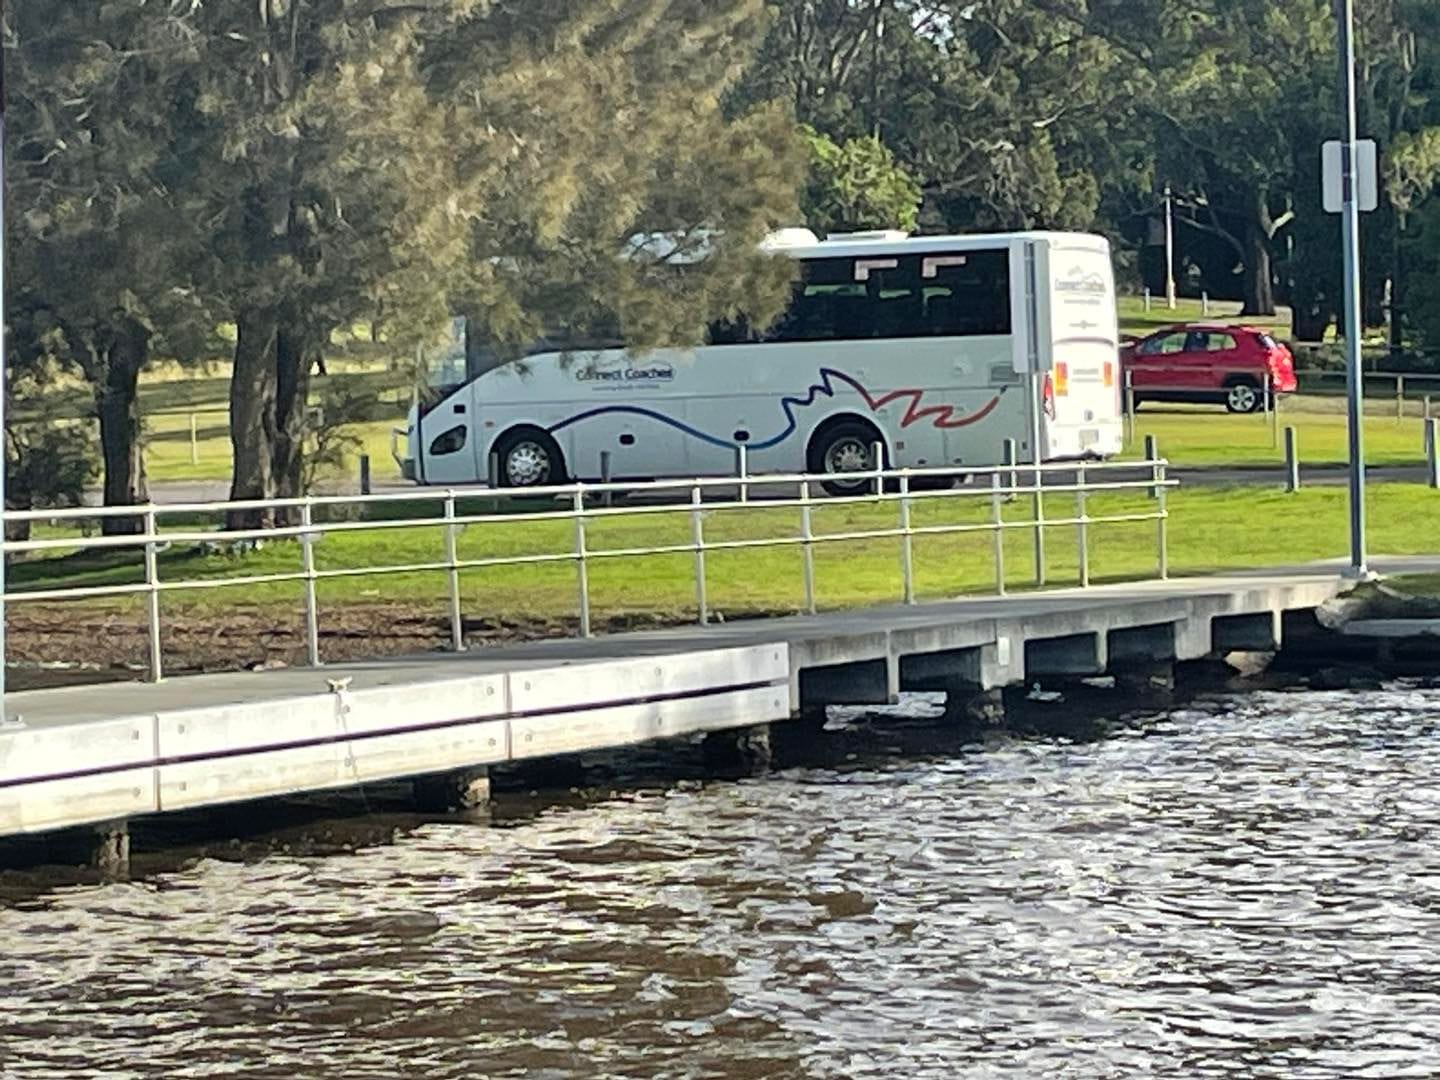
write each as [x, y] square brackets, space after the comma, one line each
[528, 458]
[845, 446]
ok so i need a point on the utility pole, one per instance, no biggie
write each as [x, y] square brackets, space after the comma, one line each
[1169, 248]
[1350, 228]
[877, 30]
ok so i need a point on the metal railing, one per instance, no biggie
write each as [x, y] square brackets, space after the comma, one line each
[586, 505]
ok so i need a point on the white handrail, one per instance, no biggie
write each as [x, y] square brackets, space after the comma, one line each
[590, 503]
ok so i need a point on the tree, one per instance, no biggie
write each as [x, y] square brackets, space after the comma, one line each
[97, 246]
[857, 185]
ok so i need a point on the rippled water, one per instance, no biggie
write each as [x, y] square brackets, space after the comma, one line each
[1247, 888]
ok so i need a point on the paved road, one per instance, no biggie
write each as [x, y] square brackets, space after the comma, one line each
[202, 491]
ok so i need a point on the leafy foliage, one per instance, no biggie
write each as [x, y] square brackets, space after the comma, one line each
[858, 185]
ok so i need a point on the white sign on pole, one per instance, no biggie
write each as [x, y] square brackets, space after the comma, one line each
[1367, 179]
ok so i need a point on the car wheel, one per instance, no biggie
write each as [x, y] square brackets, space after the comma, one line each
[845, 447]
[1243, 397]
[529, 458]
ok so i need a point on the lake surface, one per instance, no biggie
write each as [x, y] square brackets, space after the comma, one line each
[1248, 887]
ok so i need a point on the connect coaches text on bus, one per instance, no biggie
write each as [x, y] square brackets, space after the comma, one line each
[937, 348]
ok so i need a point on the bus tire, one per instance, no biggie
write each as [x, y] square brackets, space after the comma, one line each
[846, 444]
[529, 457]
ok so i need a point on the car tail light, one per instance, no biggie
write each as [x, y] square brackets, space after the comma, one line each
[1047, 394]
[1062, 379]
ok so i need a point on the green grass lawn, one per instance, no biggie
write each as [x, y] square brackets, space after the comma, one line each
[1210, 530]
[1135, 320]
[1207, 435]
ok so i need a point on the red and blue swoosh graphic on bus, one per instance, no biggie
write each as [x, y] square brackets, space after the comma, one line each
[941, 416]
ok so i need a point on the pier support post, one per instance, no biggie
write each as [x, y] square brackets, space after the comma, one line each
[968, 706]
[451, 792]
[745, 751]
[111, 852]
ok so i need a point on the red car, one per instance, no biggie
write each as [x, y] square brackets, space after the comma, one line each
[1204, 363]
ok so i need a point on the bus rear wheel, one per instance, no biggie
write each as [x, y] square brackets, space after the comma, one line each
[846, 446]
[529, 458]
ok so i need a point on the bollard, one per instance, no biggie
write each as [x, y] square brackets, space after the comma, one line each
[1432, 453]
[1147, 299]
[1292, 461]
[364, 474]
[1129, 407]
[1205, 303]
[1272, 411]
[1399, 398]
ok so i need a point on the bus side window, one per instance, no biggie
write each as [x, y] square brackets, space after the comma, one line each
[967, 295]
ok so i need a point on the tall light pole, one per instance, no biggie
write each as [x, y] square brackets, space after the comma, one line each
[1169, 248]
[1350, 229]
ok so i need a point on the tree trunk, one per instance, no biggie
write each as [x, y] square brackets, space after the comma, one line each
[117, 404]
[295, 351]
[1259, 281]
[252, 417]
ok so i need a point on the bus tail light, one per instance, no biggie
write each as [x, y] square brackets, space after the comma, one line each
[1109, 374]
[1062, 380]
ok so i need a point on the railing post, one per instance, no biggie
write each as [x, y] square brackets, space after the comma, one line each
[1292, 461]
[312, 613]
[1083, 529]
[998, 520]
[807, 547]
[1147, 299]
[907, 541]
[1038, 505]
[1428, 413]
[1009, 455]
[194, 440]
[1152, 454]
[1432, 453]
[1399, 398]
[697, 539]
[582, 565]
[1162, 527]
[152, 580]
[742, 470]
[878, 449]
[608, 497]
[364, 474]
[452, 560]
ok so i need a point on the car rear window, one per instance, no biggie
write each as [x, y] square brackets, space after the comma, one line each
[1268, 341]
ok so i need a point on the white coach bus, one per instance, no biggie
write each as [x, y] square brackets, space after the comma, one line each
[938, 349]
